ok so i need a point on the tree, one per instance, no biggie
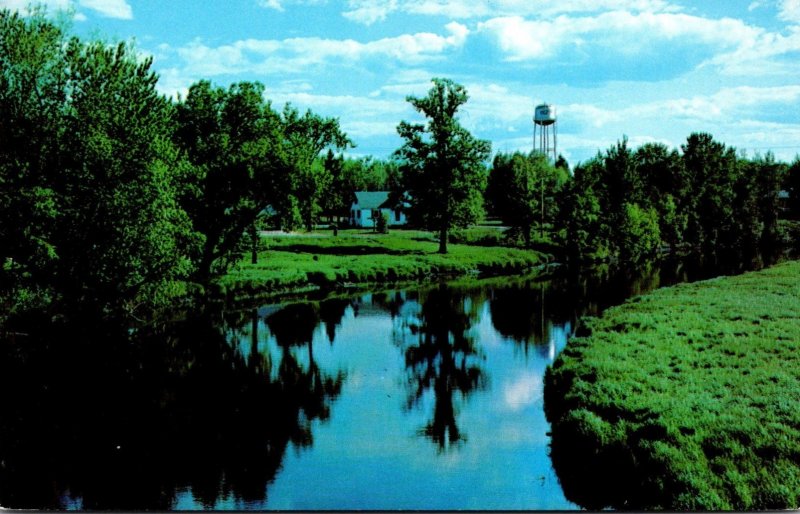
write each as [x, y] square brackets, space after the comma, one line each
[639, 233]
[307, 136]
[443, 165]
[711, 168]
[234, 140]
[792, 186]
[336, 203]
[247, 157]
[666, 188]
[90, 170]
[522, 190]
[584, 233]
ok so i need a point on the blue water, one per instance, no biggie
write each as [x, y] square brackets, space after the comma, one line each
[424, 397]
[372, 453]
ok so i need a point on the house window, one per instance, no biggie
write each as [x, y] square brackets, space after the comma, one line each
[358, 214]
[397, 216]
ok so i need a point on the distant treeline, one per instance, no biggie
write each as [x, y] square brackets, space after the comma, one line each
[628, 204]
[117, 200]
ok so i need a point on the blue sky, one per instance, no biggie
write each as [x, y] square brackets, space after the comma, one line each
[653, 70]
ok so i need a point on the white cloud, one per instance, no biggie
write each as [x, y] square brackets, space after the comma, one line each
[368, 12]
[789, 10]
[760, 53]
[523, 392]
[371, 11]
[624, 32]
[271, 4]
[296, 54]
[109, 8]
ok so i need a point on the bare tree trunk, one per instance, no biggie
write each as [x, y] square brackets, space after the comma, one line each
[443, 239]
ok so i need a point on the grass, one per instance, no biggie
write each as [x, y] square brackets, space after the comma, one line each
[320, 260]
[686, 398]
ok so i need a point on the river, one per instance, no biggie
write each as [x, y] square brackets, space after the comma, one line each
[421, 397]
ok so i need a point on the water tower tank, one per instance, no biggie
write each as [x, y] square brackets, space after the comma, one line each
[544, 117]
[544, 114]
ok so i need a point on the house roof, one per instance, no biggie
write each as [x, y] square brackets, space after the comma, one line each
[372, 199]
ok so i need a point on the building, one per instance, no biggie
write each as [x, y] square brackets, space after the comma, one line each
[368, 204]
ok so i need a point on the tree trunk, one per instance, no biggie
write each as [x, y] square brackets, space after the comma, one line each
[443, 240]
[254, 244]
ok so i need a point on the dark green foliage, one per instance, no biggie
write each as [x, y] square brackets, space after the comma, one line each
[521, 191]
[248, 157]
[442, 164]
[684, 399]
[233, 138]
[585, 235]
[640, 236]
[88, 172]
[305, 137]
[792, 186]
[712, 173]
[705, 198]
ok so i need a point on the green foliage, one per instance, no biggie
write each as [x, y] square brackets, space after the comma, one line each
[87, 173]
[639, 231]
[584, 235]
[442, 164]
[792, 186]
[686, 397]
[305, 138]
[233, 138]
[247, 157]
[705, 198]
[712, 170]
[522, 189]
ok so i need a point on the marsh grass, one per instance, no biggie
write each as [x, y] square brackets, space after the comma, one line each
[686, 398]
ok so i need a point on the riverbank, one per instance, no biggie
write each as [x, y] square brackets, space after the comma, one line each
[306, 262]
[685, 398]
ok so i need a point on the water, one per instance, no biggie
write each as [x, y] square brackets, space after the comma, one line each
[428, 397]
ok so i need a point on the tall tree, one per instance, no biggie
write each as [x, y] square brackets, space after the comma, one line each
[87, 163]
[712, 171]
[791, 184]
[443, 165]
[522, 190]
[306, 137]
[234, 139]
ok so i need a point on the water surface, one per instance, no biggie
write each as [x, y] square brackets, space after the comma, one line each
[423, 397]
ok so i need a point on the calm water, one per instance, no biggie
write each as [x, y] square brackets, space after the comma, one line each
[428, 397]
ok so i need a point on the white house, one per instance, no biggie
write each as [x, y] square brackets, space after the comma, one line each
[368, 204]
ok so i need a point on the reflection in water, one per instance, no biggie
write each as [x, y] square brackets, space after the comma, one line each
[118, 423]
[442, 357]
[202, 413]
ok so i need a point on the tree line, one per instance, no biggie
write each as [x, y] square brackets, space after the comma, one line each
[115, 198]
[630, 204]
[119, 200]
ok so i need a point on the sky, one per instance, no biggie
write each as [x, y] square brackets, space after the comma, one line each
[648, 70]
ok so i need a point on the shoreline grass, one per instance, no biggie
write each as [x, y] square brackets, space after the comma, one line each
[305, 262]
[685, 398]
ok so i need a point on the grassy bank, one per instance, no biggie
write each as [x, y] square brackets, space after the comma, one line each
[686, 398]
[320, 260]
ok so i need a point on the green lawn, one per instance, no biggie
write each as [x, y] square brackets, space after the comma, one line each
[359, 256]
[686, 398]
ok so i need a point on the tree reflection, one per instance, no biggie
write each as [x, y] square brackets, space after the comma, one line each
[443, 358]
[131, 423]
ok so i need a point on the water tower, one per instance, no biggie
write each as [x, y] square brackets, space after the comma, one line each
[544, 117]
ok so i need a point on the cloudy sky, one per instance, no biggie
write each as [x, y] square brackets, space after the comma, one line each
[653, 70]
